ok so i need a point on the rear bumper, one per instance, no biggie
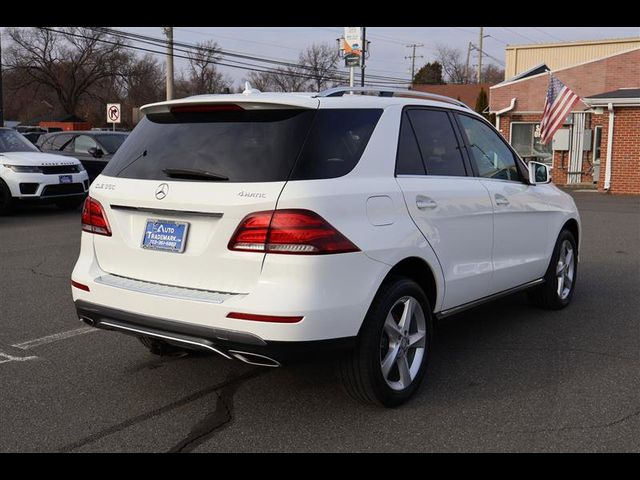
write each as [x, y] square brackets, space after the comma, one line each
[331, 293]
[230, 344]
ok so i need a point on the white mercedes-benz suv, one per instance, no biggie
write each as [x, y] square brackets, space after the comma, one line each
[269, 228]
[27, 174]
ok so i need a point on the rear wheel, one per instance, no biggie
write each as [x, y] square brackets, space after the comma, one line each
[6, 200]
[561, 276]
[70, 203]
[392, 354]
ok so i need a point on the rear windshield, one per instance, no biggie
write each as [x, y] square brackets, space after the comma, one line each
[246, 146]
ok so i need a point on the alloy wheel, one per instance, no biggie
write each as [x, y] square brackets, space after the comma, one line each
[403, 343]
[565, 270]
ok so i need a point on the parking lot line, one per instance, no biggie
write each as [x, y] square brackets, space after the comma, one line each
[5, 357]
[54, 338]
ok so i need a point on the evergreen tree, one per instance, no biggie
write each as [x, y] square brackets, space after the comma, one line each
[430, 73]
[482, 102]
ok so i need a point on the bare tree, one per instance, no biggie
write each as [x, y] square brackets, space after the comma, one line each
[289, 79]
[453, 66]
[70, 62]
[492, 74]
[320, 60]
[203, 76]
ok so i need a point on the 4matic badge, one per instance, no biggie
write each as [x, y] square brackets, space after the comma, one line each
[252, 194]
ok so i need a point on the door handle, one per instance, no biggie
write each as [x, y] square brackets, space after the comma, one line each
[501, 200]
[424, 203]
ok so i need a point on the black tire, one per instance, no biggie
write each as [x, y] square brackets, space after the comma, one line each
[547, 295]
[159, 347]
[360, 371]
[71, 203]
[6, 200]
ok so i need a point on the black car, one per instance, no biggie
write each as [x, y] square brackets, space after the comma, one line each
[93, 148]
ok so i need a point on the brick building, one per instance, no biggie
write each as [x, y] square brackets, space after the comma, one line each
[465, 92]
[583, 151]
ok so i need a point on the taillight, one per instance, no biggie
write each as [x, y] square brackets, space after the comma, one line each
[94, 220]
[200, 108]
[300, 232]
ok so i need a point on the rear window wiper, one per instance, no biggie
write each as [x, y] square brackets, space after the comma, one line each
[194, 174]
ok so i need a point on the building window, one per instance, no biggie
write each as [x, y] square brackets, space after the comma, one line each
[525, 139]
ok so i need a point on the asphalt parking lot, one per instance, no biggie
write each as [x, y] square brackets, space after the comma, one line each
[503, 377]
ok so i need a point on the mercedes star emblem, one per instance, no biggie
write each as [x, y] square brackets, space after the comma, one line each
[162, 191]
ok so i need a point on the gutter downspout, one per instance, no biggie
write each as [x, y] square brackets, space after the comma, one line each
[504, 110]
[607, 174]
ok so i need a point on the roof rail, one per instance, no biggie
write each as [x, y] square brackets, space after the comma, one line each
[390, 92]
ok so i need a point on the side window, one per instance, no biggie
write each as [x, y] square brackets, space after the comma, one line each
[488, 151]
[438, 144]
[408, 160]
[83, 143]
[58, 141]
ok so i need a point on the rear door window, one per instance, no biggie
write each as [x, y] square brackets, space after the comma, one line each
[438, 143]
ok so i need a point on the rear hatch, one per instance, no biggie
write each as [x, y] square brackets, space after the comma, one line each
[193, 169]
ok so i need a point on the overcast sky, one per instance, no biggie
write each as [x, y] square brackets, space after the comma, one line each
[388, 44]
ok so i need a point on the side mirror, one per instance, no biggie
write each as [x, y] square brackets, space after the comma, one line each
[95, 152]
[539, 173]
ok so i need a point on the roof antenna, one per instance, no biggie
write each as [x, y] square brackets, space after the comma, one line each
[248, 90]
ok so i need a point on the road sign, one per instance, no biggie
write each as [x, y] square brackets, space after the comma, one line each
[113, 113]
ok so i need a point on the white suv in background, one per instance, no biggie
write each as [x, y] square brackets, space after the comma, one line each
[27, 174]
[272, 227]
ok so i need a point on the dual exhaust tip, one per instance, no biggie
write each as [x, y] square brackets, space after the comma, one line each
[246, 357]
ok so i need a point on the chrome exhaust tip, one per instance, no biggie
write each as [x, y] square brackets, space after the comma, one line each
[255, 359]
[88, 321]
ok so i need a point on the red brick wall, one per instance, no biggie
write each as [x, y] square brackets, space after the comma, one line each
[560, 159]
[592, 78]
[625, 163]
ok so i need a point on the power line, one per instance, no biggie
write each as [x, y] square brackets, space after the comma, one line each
[332, 75]
[548, 34]
[161, 42]
[519, 34]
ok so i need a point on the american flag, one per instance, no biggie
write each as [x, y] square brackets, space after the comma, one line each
[560, 99]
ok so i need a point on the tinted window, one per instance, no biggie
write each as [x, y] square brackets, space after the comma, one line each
[244, 146]
[12, 141]
[408, 161]
[58, 141]
[248, 145]
[438, 144]
[111, 143]
[335, 143]
[492, 156]
[83, 143]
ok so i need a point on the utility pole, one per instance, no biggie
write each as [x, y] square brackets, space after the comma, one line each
[364, 52]
[168, 31]
[413, 57]
[480, 55]
[466, 70]
[1, 102]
